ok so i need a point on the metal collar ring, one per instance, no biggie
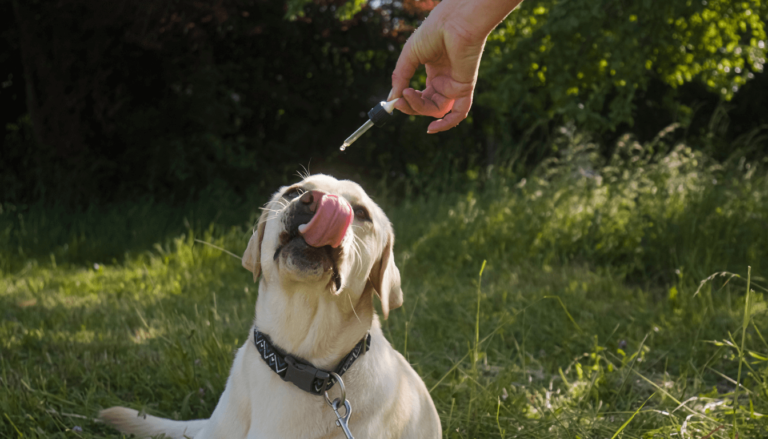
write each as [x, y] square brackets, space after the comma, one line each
[342, 389]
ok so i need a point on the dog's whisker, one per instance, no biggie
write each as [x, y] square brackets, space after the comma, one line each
[278, 201]
[280, 204]
[354, 245]
[353, 307]
[218, 248]
[356, 258]
[362, 246]
[356, 248]
[359, 241]
[306, 171]
[270, 207]
[354, 253]
[266, 220]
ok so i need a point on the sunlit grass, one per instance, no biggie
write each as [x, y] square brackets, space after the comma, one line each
[589, 319]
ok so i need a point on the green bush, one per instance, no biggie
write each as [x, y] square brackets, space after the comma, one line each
[646, 211]
[586, 61]
[170, 98]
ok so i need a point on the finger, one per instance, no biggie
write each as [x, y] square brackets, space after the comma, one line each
[428, 104]
[412, 98]
[407, 106]
[403, 106]
[414, 92]
[406, 66]
[444, 105]
[460, 111]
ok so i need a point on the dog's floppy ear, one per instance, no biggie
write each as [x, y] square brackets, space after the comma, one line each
[252, 255]
[385, 278]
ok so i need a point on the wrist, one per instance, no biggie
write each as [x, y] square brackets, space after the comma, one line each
[474, 20]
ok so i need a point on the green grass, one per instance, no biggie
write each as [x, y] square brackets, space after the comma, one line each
[588, 321]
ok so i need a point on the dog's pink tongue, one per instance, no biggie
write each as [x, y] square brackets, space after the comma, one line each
[330, 223]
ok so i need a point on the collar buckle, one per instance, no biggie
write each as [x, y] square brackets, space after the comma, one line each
[305, 376]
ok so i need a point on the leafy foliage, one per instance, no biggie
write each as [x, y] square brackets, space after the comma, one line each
[586, 61]
[199, 95]
[640, 211]
[170, 99]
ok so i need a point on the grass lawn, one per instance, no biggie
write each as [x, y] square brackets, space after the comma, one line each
[589, 320]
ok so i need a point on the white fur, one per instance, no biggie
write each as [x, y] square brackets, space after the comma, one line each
[307, 316]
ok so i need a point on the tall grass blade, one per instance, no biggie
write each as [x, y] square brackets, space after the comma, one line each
[745, 323]
[623, 426]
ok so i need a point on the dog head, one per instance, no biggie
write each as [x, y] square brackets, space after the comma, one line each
[326, 233]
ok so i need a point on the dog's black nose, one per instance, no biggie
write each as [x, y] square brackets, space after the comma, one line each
[302, 211]
[311, 198]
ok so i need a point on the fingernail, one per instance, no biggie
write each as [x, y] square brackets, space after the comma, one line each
[390, 94]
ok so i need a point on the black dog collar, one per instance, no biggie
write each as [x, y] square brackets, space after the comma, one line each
[302, 374]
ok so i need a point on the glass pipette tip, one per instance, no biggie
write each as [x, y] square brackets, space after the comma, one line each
[377, 116]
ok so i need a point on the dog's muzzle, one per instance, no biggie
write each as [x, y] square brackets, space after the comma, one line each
[321, 219]
[315, 226]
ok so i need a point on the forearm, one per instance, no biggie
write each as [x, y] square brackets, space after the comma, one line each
[475, 19]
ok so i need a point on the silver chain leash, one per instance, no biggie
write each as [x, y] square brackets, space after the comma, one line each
[336, 404]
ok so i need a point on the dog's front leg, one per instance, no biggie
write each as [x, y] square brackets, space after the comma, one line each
[232, 416]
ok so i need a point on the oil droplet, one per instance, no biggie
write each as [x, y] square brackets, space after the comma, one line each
[343, 147]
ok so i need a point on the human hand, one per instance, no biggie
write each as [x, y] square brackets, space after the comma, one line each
[450, 44]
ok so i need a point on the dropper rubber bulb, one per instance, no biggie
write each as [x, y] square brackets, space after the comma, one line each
[389, 107]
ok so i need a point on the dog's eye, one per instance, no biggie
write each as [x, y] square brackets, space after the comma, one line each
[293, 193]
[362, 214]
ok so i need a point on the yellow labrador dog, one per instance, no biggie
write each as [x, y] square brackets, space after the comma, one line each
[323, 249]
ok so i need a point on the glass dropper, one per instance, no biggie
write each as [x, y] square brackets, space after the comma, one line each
[377, 116]
[359, 132]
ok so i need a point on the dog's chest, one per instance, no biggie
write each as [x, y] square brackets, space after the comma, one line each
[279, 409]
